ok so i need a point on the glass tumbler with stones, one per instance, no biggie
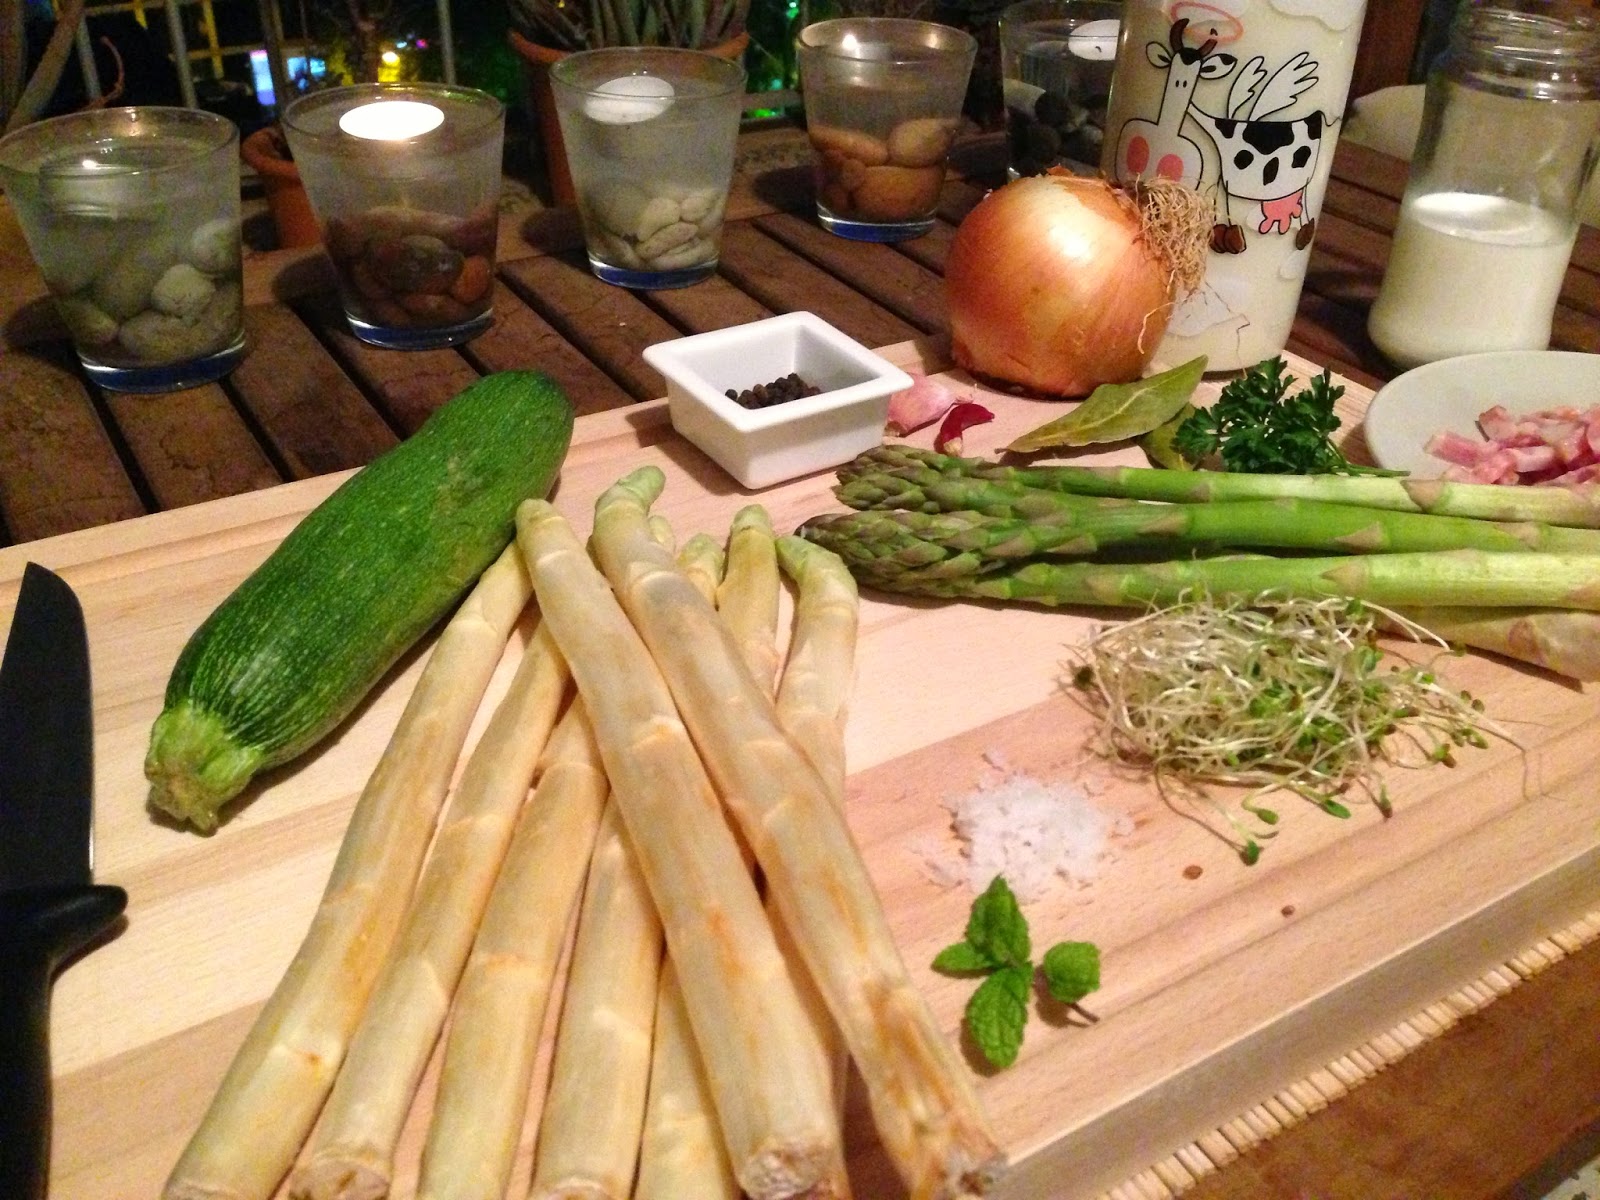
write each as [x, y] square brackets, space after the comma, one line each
[405, 181]
[1056, 58]
[132, 215]
[650, 135]
[883, 100]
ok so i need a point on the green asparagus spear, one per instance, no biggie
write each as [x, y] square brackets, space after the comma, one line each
[1438, 578]
[1556, 639]
[926, 489]
[1550, 505]
[921, 539]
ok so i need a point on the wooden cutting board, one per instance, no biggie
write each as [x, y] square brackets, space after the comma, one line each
[1222, 983]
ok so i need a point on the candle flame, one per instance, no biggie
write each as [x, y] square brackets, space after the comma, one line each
[392, 120]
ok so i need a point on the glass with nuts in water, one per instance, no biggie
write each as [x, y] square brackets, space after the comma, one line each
[883, 104]
[405, 181]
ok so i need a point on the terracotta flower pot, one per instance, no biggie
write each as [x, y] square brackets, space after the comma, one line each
[537, 61]
[266, 152]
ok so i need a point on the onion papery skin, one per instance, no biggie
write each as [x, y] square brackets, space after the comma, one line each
[1050, 286]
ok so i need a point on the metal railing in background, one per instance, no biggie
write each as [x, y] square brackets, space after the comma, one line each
[272, 42]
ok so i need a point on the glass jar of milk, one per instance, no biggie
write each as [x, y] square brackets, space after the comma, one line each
[1510, 130]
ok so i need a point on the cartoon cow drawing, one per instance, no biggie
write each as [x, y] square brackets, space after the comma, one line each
[1158, 148]
[1265, 162]
[1268, 162]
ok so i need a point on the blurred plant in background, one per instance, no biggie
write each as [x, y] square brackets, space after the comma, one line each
[364, 37]
[770, 61]
[591, 24]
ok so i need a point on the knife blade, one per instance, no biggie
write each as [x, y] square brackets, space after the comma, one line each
[50, 908]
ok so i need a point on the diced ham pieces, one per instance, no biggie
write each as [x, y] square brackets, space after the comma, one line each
[1527, 460]
[1559, 446]
[1457, 448]
[1497, 425]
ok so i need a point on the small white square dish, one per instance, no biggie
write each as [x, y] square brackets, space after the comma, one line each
[763, 446]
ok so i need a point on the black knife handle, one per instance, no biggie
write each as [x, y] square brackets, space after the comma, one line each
[39, 929]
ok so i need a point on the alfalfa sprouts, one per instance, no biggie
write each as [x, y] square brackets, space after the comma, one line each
[1272, 694]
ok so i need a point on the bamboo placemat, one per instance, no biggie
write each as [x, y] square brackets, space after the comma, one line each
[1290, 1105]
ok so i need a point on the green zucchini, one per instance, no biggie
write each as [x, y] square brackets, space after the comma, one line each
[285, 657]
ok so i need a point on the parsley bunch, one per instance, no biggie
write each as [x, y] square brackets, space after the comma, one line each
[1256, 427]
[998, 946]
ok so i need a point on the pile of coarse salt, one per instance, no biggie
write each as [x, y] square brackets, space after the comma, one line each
[1027, 830]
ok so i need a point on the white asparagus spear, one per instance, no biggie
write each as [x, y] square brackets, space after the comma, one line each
[593, 1116]
[281, 1075]
[702, 560]
[661, 530]
[498, 1016]
[747, 602]
[351, 1153]
[922, 1098]
[593, 1113]
[814, 693]
[770, 1084]
[812, 702]
[747, 598]
[682, 1156]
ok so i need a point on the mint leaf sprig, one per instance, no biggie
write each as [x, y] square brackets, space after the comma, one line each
[999, 947]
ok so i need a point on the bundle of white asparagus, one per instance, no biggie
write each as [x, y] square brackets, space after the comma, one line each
[616, 827]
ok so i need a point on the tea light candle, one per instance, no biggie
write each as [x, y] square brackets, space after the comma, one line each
[629, 100]
[93, 183]
[392, 120]
[1095, 40]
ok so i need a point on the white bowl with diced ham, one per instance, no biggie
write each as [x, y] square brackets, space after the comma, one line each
[1512, 417]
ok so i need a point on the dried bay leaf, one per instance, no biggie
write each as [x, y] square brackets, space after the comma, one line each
[1116, 412]
[1160, 444]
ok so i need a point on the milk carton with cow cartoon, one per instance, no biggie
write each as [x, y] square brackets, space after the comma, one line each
[1242, 100]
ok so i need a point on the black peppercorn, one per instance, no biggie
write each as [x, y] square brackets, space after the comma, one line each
[778, 391]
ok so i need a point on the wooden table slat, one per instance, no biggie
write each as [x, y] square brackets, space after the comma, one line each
[520, 338]
[1375, 171]
[714, 303]
[406, 387]
[59, 470]
[609, 324]
[879, 270]
[315, 416]
[785, 282]
[192, 446]
[959, 197]
[932, 249]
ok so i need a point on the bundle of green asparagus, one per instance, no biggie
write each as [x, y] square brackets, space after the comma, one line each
[1512, 570]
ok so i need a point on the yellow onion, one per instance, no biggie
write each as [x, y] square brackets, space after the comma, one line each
[1059, 282]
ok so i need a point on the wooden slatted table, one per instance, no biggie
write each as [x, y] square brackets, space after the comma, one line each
[1512, 1090]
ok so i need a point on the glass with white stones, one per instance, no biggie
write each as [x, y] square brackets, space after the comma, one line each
[1241, 100]
[650, 134]
[132, 215]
